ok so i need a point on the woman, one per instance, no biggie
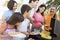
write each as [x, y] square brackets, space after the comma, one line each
[11, 26]
[38, 21]
[12, 6]
[39, 17]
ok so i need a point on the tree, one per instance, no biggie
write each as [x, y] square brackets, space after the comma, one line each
[53, 2]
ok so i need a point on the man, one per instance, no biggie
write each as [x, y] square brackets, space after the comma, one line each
[50, 19]
[33, 5]
[50, 15]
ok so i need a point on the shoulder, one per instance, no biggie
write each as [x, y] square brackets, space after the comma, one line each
[35, 13]
[7, 12]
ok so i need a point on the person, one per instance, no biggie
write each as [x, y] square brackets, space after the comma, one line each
[27, 21]
[39, 16]
[25, 11]
[38, 20]
[48, 17]
[33, 5]
[50, 20]
[12, 6]
[10, 26]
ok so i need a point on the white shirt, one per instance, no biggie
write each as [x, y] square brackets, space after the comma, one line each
[23, 27]
[31, 15]
[32, 12]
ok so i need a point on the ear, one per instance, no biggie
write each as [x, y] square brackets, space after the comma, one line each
[31, 1]
[25, 12]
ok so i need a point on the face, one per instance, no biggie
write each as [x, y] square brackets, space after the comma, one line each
[27, 14]
[53, 10]
[34, 4]
[15, 6]
[19, 23]
[42, 9]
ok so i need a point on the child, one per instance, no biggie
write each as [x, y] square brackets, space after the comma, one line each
[10, 26]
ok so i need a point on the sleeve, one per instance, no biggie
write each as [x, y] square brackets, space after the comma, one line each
[5, 14]
[34, 15]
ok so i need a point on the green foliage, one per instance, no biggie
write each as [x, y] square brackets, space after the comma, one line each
[54, 2]
[51, 2]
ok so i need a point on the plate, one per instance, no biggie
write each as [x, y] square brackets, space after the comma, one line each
[34, 33]
[21, 35]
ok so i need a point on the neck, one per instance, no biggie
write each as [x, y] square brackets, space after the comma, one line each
[13, 10]
[39, 13]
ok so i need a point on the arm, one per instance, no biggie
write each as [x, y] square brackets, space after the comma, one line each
[29, 30]
[32, 19]
[3, 18]
[2, 28]
[26, 33]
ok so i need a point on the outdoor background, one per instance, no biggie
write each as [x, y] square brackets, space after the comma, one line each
[48, 3]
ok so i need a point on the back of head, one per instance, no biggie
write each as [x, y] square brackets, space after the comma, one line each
[24, 8]
[16, 17]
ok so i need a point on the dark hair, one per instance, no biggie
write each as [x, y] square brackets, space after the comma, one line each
[40, 7]
[25, 8]
[10, 4]
[16, 17]
[32, 0]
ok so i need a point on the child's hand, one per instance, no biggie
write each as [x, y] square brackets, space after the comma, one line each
[26, 33]
[13, 33]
